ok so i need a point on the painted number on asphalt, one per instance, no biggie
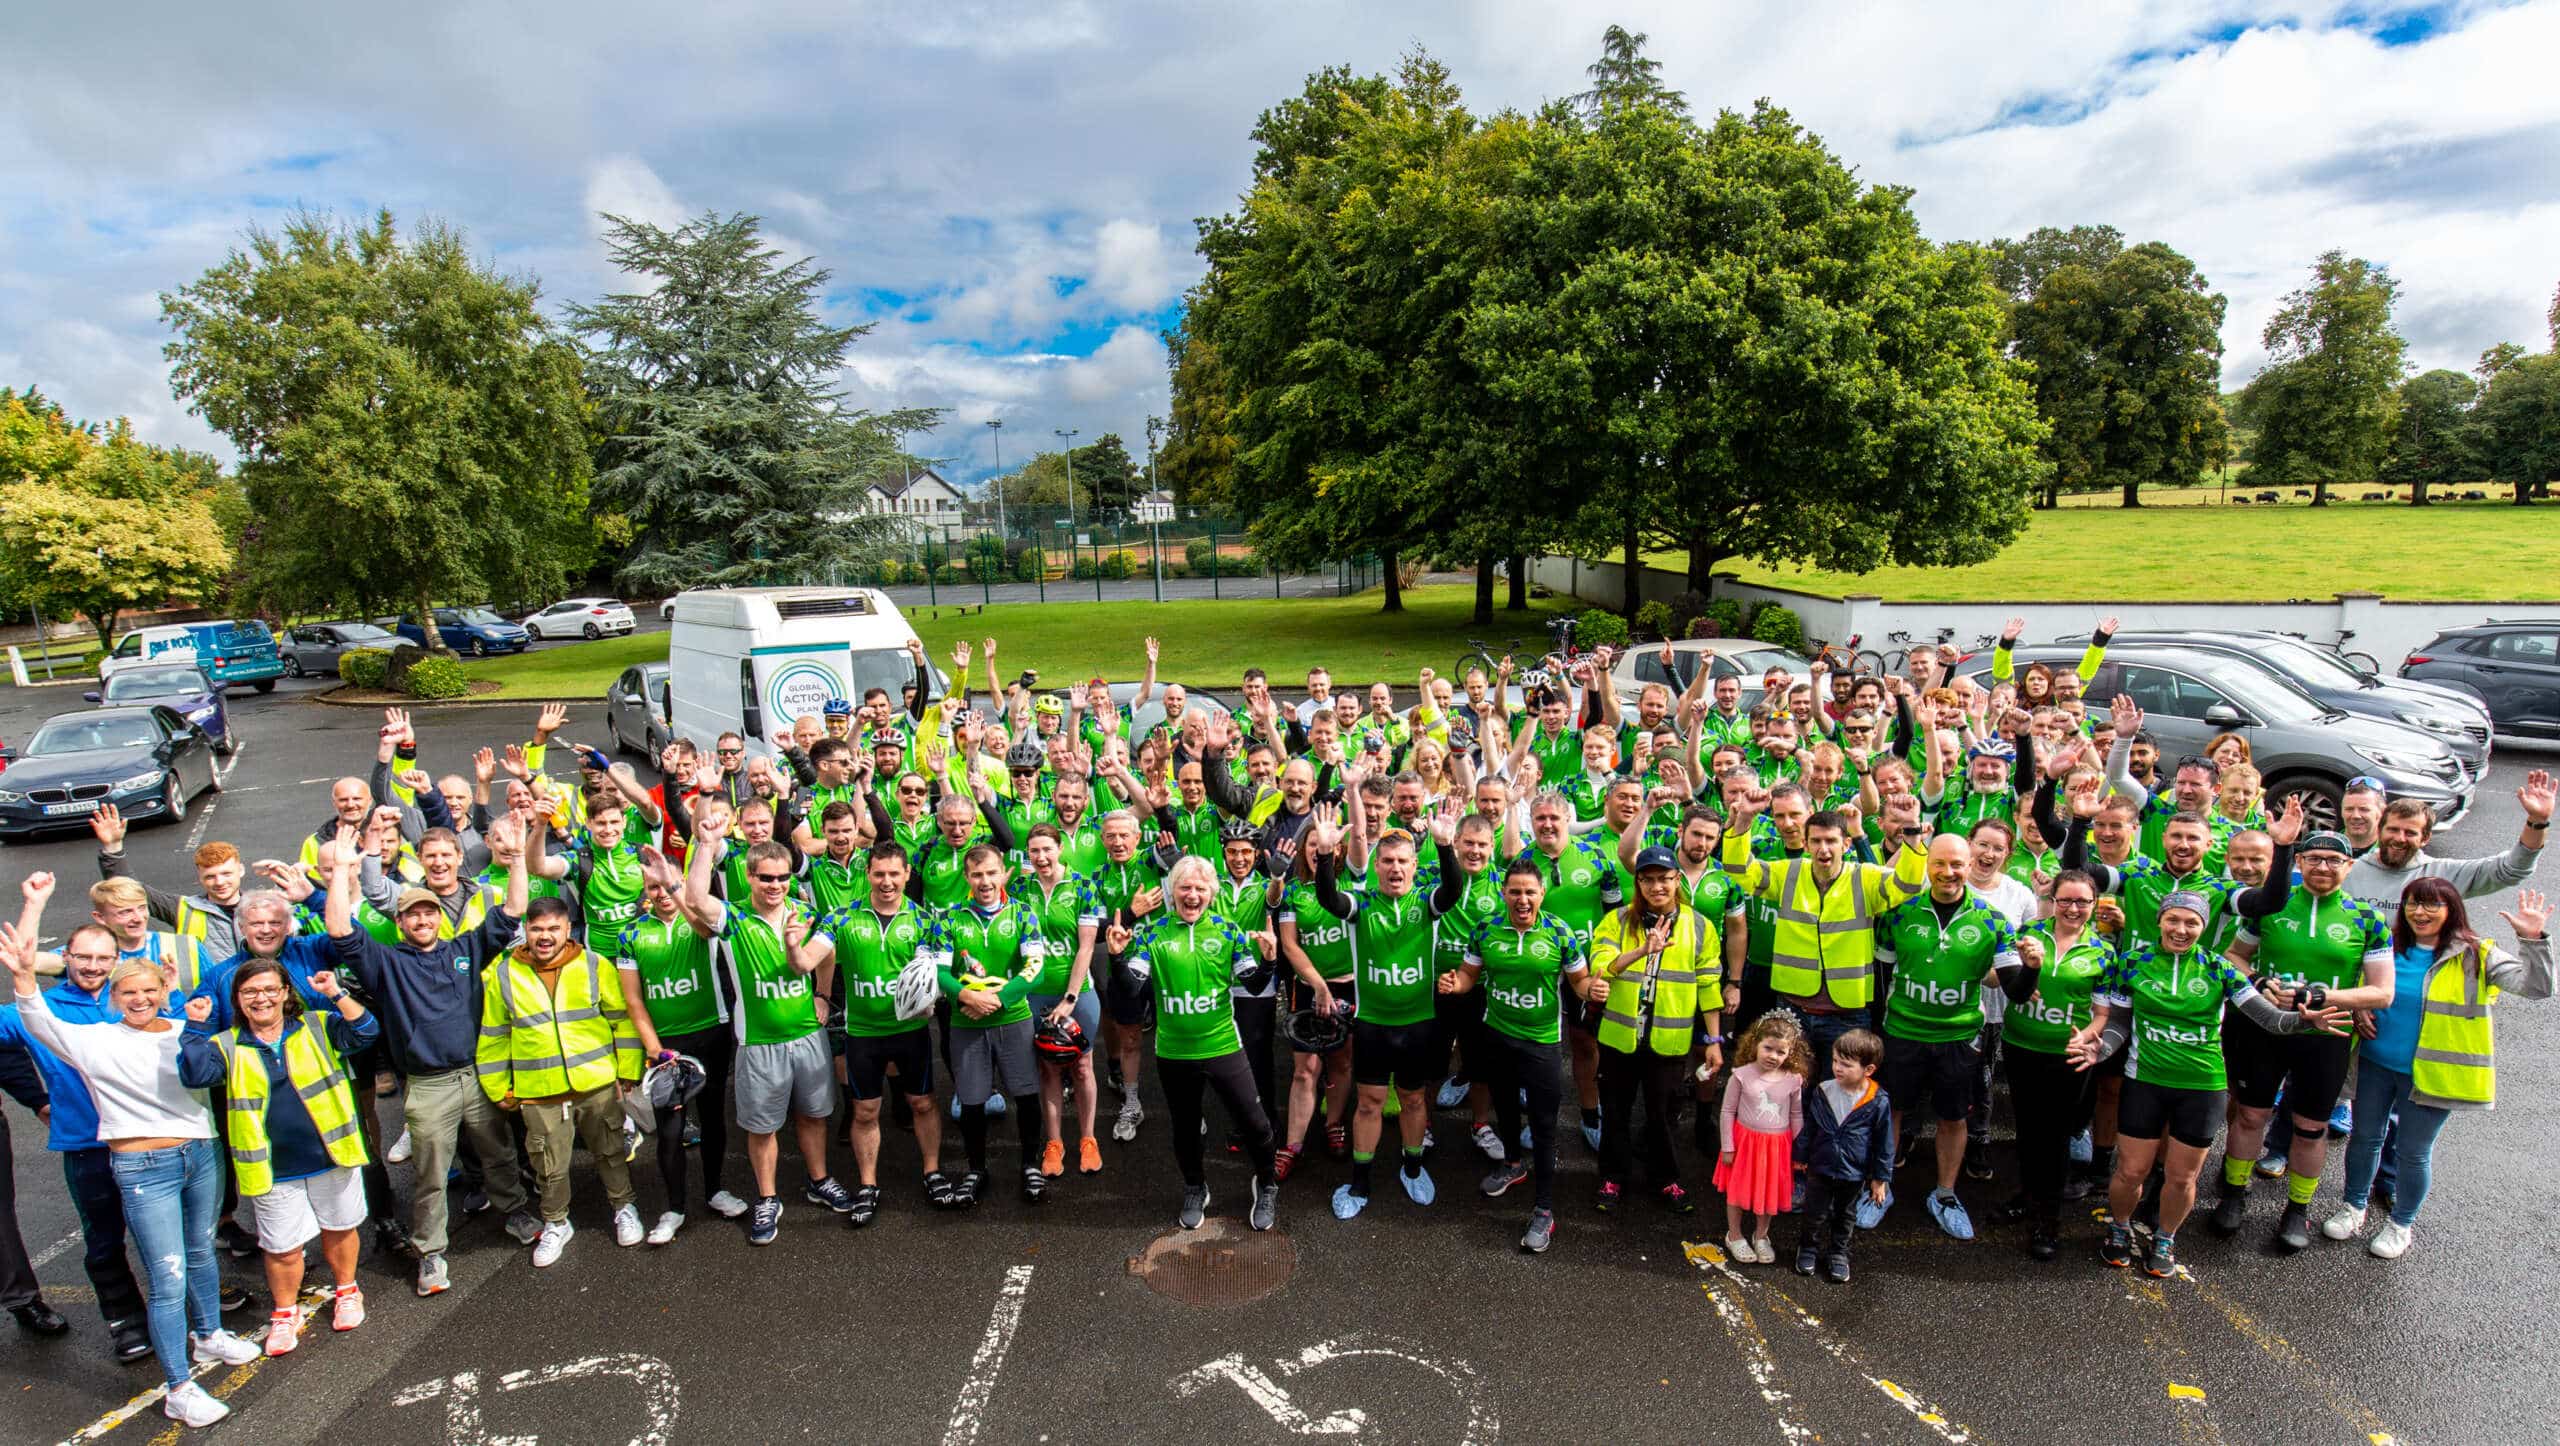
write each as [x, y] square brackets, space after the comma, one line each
[463, 1393]
[1481, 1426]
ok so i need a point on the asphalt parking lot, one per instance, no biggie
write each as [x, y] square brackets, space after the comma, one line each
[1417, 1325]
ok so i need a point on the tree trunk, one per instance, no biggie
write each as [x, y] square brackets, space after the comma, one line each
[1394, 584]
[2524, 493]
[2320, 493]
[2417, 494]
[1484, 591]
[104, 622]
[1518, 600]
[1702, 562]
[1635, 570]
[2133, 494]
[2052, 495]
[429, 638]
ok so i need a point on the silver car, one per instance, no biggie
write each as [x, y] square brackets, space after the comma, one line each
[313, 650]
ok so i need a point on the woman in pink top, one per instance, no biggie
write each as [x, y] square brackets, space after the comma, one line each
[1763, 1109]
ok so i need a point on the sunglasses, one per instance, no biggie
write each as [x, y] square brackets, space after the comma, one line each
[2366, 783]
[772, 878]
[733, 752]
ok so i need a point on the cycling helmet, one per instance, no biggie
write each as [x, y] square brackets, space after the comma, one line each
[839, 708]
[1024, 756]
[1316, 1031]
[1238, 831]
[1991, 748]
[917, 988]
[673, 1081]
[1049, 705]
[1061, 1039]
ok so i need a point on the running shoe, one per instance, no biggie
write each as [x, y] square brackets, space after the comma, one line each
[1977, 1159]
[1417, 1185]
[393, 1238]
[1088, 1156]
[1453, 1092]
[2162, 1262]
[664, 1231]
[235, 1241]
[1806, 1261]
[1675, 1198]
[224, 1347]
[346, 1308]
[1836, 1270]
[433, 1277]
[1346, 1204]
[474, 1200]
[2117, 1248]
[1605, 1199]
[765, 1221]
[1489, 1142]
[189, 1404]
[1503, 1176]
[1132, 1114]
[2390, 1242]
[1541, 1232]
[1035, 1187]
[1053, 1158]
[2273, 1164]
[627, 1229]
[828, 1192]
[1950, 1214]
[2342, 1120]
[283, 1332]
[866, 1206]
[523, 1226]
[399, 1151]
[1195, 1207]
[1266, 1205]
[726, 1205]
[555, 1238]
[2346, 1224]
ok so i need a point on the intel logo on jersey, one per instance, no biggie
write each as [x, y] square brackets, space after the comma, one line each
[1396, 974]
[673, 988]
[1525, 1000]
[2172, 1034]
[1924, 992]
[794, 987]
[871, 988]
[1187, 1004]
[2043, 1013]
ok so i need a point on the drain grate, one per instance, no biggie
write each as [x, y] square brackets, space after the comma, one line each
[1222, 1263]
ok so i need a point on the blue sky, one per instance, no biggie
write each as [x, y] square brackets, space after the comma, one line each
[1005, 193]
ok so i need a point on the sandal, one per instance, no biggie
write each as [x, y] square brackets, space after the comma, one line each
[866, 1205]
[939, 1191]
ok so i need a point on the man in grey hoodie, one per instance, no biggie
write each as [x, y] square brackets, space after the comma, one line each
[2401, 853]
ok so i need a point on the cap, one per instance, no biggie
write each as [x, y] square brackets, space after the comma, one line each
[411, 897]
[2188, 899]
[2323, 842]
[1657, 857]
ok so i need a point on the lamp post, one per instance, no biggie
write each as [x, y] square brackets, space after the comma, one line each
[1069, 435]
[995, 439]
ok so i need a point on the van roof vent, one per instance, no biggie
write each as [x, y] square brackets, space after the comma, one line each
[823, 605]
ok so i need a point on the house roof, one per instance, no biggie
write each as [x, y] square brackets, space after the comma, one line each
[901, 486]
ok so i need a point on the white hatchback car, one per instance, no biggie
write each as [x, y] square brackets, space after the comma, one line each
[581, 617]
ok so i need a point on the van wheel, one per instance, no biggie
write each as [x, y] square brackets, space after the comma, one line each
[265, 685]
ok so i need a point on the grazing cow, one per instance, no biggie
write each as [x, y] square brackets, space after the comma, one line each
[2269, 497]
[2239, 501]
[2301, 491]
[2377, 497]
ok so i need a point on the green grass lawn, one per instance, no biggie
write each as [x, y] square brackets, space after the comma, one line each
[2446, 552]
[1208, 643]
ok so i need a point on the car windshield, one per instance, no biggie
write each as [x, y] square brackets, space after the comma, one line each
[137, 683]
[364, 633]
[480, 616]
[1757, 661]
[80, 735]
[2271, 701]
[2309, 664]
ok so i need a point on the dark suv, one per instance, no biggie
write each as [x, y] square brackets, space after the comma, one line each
[2512, 663]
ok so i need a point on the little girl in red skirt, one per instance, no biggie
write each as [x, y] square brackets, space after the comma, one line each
[1763, 1109]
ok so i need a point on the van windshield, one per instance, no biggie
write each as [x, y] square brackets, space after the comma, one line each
[887, 668]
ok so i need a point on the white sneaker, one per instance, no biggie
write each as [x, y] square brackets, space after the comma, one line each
[1132, 1114]
[188, 1404]
[726, 1205]
[2346, 1224]
[626, 1225]
[227, 1348]
[399, 1153]
[2391, 1241]
[555, 1238]
[666, 1228]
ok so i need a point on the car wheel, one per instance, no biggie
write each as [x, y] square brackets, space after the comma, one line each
[613, 730]
[173, 797]
[2320, 799]
[293, 665]
[472, 648]
[264, 685]
[592, 632]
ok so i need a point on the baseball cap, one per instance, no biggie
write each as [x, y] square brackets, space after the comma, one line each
[1657, 857]
[2322, 842]
[411, 897]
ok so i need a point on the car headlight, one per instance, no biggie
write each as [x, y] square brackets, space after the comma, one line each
[140, 780]
[198, 715]
[2446, 726]
[7, 797]
[2399, 762]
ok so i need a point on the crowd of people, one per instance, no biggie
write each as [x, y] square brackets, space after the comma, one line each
[1821, 927]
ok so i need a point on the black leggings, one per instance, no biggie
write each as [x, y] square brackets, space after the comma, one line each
[2053, 1103]
[1027, 1124]
[716, 1049]
[1255, 1019]
[1657, 1078]
[1507, 1065]
[1232, 1078]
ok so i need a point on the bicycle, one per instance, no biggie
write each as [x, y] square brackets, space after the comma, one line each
[2361, 662]
[1894, 661]
[1556, 662]
[1846, 657]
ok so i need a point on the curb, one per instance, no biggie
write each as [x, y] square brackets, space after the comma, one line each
[328, 697]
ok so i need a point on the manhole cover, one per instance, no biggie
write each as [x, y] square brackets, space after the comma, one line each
[1221, 1263]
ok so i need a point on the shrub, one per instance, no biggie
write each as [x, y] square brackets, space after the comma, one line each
[1200, 556]
[1027, 565]
[1120, 564]
[936, 556]
[1685, 609]
[365, 667]
[1727, 615]
[949, 574]
[1173, 567]
[986, 555]
[1654, 619]
[892, 572]
[1599, 628]
[1778, 625]
[1083, 570]
[1703, 626]
[436, 677]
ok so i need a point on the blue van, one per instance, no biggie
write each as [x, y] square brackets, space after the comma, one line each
[230, 651]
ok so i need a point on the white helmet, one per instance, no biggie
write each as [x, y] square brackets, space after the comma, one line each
[917, 988]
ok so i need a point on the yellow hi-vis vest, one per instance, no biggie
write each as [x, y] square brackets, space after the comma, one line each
[1824, 940]
[191, 925]
[535, 1044]
[1658, 1005]
[318, 1075]
[2456, 1062]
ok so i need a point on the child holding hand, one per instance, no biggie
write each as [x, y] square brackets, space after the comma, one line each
[1763, 1110]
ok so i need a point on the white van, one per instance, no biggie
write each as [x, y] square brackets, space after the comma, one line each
[751, 660]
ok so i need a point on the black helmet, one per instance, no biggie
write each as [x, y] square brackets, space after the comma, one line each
[1315, 1031]
[1024, 756]
[1238, 831]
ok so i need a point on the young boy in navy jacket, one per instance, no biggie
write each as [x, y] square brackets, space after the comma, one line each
[1846, 1148]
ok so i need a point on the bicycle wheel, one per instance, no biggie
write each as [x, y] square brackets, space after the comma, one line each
[2362, 663]
[1869, 661]
[1892, 661]
[1477, 659]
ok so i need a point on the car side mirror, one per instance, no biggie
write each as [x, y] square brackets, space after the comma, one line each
[2223, 715]
[89, 697]
[8, 754]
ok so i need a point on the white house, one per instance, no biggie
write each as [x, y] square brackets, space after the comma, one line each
[1156, 506]
[922, 501]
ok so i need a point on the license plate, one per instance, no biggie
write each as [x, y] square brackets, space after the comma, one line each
[58, 810]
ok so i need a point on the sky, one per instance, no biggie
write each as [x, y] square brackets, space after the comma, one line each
[1006, 192]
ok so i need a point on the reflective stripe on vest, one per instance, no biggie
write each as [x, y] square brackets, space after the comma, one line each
[555, 1049]
[319, 1079]
[1802, 958]
[2456, 1063]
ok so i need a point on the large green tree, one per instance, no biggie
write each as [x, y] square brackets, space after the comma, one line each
[2435, 442]
[2519, 425]
[2127, 349]
[410, 430]
[2326, 403]
[722, 439]
[94, 521]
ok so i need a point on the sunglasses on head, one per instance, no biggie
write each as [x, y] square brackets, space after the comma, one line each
[2366, 783]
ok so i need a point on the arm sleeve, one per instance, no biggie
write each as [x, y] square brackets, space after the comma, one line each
[1222, 785]
[19, 1076]
[200, 1062]
[2266, 898]
[2049, 824]
[998, 827]
[1453, 885]
[373, 886]
[433, 810]
[2475, 877]
[1732, 1102]
[162, 904]
[2004, 666]
[1880, 1148]
[1329, 895]
[679, 817]
[2120, 773]
[2526, 973]
[2263, 1014]
[2096, 656]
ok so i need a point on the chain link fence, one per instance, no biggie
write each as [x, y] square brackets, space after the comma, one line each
[1028, 554]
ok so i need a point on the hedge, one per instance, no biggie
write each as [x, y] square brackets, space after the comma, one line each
[1599, 628]
[365, 667]
[437, 677]
[1778, 625]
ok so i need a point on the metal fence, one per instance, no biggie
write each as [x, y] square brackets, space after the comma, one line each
[1041, 554]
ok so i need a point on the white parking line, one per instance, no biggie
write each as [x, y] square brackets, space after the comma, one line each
[970, 1410]
[310, 1306]
[204, 820]
[45, 1256]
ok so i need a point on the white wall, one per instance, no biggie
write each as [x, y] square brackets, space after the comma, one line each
[2387, 630]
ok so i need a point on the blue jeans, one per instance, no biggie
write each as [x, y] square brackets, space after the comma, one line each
[2379, 1092]
[171, 1199]
[1821, 1031]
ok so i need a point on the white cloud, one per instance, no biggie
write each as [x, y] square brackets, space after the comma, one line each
[1131, 264]
[625, 186]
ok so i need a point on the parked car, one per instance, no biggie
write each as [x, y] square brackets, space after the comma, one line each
[2457, 717]
[2512, 663]
[182, 689]
[635, 711]
[146, 760]
[313, 650]
[229, 651]
[581, 617]
[1748, 659]
[473, 631]
[2299, 745]
[667, 609]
